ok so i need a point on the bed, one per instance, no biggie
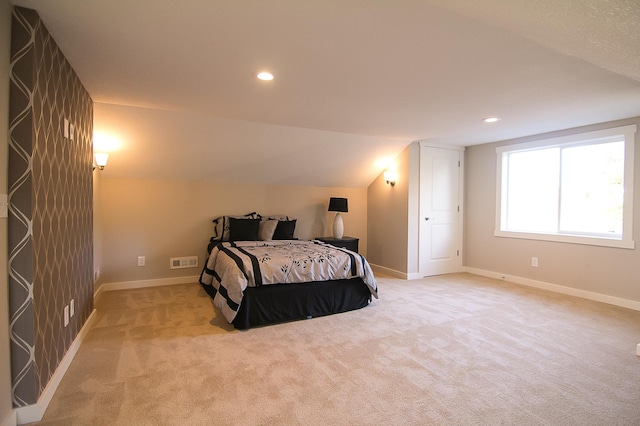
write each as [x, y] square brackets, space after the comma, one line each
[255, 279]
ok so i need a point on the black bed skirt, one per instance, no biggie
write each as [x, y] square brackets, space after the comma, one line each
[270, 304]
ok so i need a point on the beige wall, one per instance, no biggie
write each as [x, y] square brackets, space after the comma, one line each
[389, 212]
[5, 364]
[609, 271]
[97, 226]
[160, 219]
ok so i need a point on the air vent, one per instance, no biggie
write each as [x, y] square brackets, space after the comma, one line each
[183, 262]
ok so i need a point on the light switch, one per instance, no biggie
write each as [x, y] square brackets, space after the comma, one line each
[4, 206]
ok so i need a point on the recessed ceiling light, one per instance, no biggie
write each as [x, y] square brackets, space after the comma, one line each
[266, 76]
[490, 119]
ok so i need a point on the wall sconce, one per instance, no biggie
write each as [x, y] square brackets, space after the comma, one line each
[390, 177]
[101, 159]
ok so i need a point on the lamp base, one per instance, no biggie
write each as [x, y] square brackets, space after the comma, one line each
[338, 226]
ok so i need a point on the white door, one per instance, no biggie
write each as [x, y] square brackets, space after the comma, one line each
[440, 236]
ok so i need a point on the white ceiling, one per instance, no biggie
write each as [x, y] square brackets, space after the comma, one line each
[355, 80]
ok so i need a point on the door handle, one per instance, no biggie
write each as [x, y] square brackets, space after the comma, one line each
[427, 218]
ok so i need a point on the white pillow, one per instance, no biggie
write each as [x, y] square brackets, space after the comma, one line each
[266, 229]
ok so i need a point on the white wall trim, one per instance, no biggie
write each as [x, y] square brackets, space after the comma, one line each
[388, 271]
[11, 419]
[396, 274]
[96, 295]
[598, 297]
[427, 143]
[34, 412]
[127, 285]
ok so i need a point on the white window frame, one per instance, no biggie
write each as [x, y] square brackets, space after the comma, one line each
[628, 132]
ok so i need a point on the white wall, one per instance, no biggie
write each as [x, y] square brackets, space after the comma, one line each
[602, 270]
[6, 411]
[413, 219]
[160, 219]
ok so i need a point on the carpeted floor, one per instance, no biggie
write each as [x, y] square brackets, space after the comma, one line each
[449, 350]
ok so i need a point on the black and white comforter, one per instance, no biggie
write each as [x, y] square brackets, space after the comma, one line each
[232, 267]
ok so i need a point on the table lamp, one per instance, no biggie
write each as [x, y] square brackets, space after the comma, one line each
[338, 205]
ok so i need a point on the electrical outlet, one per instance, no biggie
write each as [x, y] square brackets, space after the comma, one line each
[534, 262]
[141, 261]
[72, 308]
[66, 315]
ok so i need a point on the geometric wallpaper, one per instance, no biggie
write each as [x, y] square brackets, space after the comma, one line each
[50, 229]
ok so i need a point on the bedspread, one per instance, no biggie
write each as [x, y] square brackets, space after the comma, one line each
[234, 266]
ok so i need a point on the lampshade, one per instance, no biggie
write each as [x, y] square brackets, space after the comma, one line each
[101, 159]
[338, 205]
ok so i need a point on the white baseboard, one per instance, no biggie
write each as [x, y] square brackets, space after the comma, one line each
[127, 285]
[387, 271]
[415, 276]
[34, 413]
[397, 274]
[96, 295]
[598, 297]
[11, 419]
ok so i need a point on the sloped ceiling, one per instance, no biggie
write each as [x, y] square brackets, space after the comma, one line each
[355, 82]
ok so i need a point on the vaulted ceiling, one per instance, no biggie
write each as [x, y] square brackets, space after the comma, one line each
[355, 82]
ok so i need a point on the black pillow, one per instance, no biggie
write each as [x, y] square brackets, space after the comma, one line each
[284, 230]
[243, 229]
[221, 225]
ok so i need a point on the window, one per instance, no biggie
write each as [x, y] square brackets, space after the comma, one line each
[576, 189]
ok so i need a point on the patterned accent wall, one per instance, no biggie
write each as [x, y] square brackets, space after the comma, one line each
[50, 206]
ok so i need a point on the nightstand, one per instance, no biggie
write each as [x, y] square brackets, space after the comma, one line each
[350, 243]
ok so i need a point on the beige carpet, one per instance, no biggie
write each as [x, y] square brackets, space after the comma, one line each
[458, 349]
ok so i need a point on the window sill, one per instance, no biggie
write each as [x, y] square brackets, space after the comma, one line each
[570, 239]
